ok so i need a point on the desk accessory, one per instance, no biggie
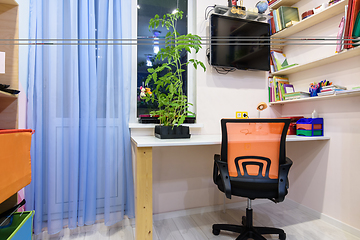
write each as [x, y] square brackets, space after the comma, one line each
[310, 127]
[292, 127]
[242, 115]
[260, 107]
[306, 14]
[320, 8]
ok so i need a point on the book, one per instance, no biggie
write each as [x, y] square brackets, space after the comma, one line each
[272, 23]
[271, 89]
[347, 23]
[288, 14]
[330, 92]
[355, 11]
[289, 88]
[339, 35]
[275, 21]
[353, 90]
[280, 61]
[356, 30]
[296, 95]
[279, 82]
[278, 19]
[272, 68]
[352, 12]
[333, 87]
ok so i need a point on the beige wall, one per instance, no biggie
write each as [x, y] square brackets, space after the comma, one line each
[324, 176]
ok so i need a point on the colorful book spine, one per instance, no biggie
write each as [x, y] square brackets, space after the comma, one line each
[275, 21]
[288, 14]
[278, 20]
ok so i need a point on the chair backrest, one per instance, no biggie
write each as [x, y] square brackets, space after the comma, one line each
[254, 147]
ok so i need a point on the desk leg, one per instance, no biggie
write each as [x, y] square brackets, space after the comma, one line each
[143, 197]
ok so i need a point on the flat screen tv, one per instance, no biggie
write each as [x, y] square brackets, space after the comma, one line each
[239, 43]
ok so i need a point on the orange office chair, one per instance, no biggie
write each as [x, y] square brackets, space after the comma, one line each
[252, 164]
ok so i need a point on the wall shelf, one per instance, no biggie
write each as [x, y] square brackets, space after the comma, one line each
[352, 52]
[226, 11]
[280, 3]
[353, 93]
[329, 12]
[10, 2]
[7, 95]
[6, 99]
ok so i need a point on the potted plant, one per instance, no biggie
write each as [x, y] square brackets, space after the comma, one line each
[166, 79]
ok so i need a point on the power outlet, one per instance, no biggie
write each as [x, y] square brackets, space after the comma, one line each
[242, 115]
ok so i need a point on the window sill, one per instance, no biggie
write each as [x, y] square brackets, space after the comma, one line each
[152, 125]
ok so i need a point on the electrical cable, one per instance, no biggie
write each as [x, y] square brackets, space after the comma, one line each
[219, 70]
[208, 13]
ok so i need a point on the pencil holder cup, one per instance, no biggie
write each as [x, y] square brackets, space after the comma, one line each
[314, 91]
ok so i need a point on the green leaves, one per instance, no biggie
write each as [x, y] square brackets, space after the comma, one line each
[166, 80]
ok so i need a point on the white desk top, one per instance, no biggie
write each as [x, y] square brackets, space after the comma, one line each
[152, 141]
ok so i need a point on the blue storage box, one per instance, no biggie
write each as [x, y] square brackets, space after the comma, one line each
[310, 127]
[20, 228]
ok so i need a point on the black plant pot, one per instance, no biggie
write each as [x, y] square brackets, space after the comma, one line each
[169, 132]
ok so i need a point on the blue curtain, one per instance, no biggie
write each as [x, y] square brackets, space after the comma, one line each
[78, 104]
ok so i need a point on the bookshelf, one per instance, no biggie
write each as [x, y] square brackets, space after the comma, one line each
[9, 29]
[311, 99]
[320, 62]
[329, 12]
[280, 3]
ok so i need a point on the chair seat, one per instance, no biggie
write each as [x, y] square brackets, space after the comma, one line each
[251, 190]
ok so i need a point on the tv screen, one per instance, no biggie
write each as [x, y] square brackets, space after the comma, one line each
[239, 43]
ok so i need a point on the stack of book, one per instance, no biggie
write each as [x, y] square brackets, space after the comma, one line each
[283, 17]
[278, 87]
[331, 89]
[296, 95]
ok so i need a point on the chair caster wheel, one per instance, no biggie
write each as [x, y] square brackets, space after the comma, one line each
[243, 220]
[282, 236]
[216, 231]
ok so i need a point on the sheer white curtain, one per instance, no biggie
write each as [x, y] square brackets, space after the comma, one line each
[78, 104]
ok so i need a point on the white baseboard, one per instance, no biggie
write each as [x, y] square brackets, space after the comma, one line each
[336, 223]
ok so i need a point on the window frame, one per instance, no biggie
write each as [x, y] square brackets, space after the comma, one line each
[191, 76]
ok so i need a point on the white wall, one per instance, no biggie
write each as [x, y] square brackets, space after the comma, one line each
[23, 58]
[182, 176]
[325, 174]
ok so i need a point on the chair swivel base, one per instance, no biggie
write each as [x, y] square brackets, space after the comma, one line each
[247, 230]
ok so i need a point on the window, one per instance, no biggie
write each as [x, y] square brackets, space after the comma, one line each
[149, 42]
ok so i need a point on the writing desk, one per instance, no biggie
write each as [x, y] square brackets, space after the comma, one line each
[143, 173]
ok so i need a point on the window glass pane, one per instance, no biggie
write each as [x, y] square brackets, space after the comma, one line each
[146, 54]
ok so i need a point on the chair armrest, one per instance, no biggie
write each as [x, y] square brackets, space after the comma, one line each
[283, 179]
[222, 167]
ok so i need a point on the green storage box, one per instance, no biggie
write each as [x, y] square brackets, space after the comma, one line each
[308, 132]
[20, 228]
